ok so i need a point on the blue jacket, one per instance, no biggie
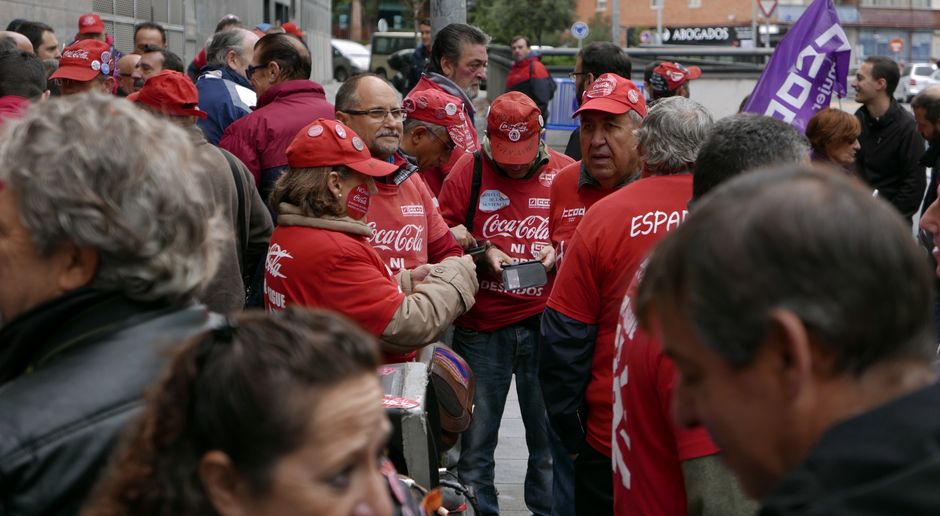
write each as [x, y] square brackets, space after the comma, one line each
[225, 96]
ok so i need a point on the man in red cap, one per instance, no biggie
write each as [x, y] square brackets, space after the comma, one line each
[227, 182]
[672, 79]
[90, 26]
[408, 230]
[580, 320]
[84, 66]
[501, 193]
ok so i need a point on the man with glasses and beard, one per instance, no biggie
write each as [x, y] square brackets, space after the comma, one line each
[408, 229]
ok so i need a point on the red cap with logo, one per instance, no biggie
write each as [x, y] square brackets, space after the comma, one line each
[668, 77]
[292, 28]
[90, 24]
[84, 60]
[443, 109]
[327, 143]
[171, 93]
[513, 126]
[613, 94]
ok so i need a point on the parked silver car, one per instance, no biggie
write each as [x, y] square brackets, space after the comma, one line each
[349, 58]
[914, 78]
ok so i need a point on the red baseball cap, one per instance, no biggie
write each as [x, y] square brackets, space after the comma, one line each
[90, 24]
[613, 94]
[443, 109]
[328, 142]
[171, 93]
[84, 60]
[669, 76]
[513, 125]
[292, 28]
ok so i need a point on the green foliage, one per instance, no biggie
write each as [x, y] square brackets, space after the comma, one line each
[599, 29]
[542, 21]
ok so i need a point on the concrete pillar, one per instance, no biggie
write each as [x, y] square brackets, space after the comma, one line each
[445, 12]
[355, 20]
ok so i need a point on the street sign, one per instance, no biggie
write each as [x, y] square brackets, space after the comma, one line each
[383, 25]
[646, 37]
[896, 45]
[579, 30]
[767, 7]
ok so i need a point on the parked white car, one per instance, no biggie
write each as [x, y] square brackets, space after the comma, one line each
[349, 58]
[914, 78]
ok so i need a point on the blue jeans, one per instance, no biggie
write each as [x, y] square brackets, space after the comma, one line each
[494, 357]
[562, 477]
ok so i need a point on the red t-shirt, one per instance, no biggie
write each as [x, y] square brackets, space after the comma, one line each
[568, 206]
[513, 215]
[320, 268]
[435, 176]
[404, 221]
[648, 447]
[608, 246]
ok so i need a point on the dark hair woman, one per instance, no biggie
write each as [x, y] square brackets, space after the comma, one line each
[275, 414]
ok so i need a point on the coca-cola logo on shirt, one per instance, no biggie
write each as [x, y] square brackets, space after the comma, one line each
[408, 238]
[533, 227]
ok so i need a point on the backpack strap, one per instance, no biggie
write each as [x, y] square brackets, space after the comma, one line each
[474, 190]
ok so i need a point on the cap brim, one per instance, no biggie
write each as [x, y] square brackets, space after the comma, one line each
[521, 152]
[693, 72]
[94, 29]
[133, 96]
[372, 167]
[603, 104]
[75, 73]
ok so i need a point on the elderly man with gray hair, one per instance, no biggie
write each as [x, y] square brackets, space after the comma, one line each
[579, 322]
[225, 94]
[102, 248]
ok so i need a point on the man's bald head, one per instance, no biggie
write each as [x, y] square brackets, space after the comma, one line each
[288, 52]
[21, 41]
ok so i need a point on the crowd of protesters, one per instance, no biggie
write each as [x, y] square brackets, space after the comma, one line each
[733, 318]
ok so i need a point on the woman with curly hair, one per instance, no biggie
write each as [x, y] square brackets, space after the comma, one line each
[269, 414]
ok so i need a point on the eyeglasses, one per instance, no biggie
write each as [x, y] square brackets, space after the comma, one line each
[379, 113]
[574, 75]
[449, 144]
[251, 69]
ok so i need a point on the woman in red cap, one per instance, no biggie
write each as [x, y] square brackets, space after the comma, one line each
[320, 255]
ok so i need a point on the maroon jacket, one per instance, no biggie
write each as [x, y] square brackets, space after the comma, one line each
[260, 138]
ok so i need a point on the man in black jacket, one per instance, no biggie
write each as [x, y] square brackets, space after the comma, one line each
[810, 365]
[102, 249]
[889, 159]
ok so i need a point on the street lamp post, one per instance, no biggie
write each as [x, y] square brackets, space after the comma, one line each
[657, 5]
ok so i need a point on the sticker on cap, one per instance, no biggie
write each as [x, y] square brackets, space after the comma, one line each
[340, 131]
[493, 200]
[408, 105]
[541, 121]
[601, 88]
[105, 56]
[315, 131]
[357, 144]
[514, 135]
[96, 65]
[105, 69]
[633, 96]
[450, 109]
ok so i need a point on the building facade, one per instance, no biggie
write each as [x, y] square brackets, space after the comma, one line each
[869, 24]
[189, 23]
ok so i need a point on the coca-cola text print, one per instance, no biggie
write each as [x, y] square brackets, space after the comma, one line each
[408, 238]
[533, 227]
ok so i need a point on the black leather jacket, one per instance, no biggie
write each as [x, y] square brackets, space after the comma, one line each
[72, 374]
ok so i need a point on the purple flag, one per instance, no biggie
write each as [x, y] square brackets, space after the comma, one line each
[809, 63]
